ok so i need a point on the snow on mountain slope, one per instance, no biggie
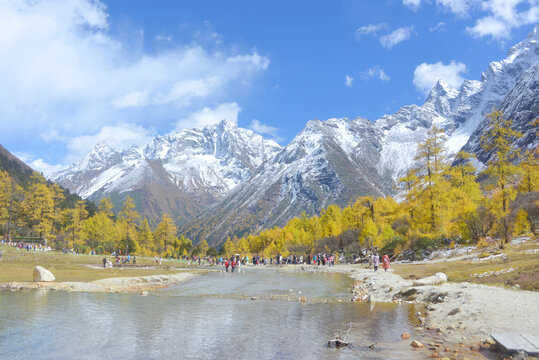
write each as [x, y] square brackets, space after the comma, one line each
[521, 105]
[209, 162]
[459, 113]
[79, 176]
[328, 162]
[216, 158]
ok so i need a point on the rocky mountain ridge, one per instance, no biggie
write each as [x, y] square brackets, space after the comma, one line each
[180, 173]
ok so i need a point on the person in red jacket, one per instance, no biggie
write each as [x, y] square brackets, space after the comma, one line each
[226, 265]
[385, 261]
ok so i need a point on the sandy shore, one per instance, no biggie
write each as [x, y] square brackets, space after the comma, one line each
[461, 312]
[118, 284]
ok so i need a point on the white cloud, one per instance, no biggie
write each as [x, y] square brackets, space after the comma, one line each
[369, 29]
[119, 136]
[209, 116]
[253, 62]
[375, 72]
[132, 99]
[494, 18]
[66, 74]
[427, 75]
[184, 91]
[164, 38]
[348, 80]
[51, 135]
[263, 129]
[38, 165]
[413, 4]
[439, 27]
[397, 36]
[490, 26]
[45, 168]
[459, 7]
[504, 16]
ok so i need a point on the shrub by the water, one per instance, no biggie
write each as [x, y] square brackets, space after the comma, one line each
[421, 247]
[394, 246]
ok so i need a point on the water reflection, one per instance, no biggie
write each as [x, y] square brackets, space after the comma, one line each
[190, 322]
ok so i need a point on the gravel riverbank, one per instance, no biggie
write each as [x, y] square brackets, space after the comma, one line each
[462, 312]
[118, 284]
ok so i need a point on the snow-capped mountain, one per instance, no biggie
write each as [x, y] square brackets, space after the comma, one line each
[328, 162]
[215, 159]
[231, 180]
[521, 105]
[191, 168]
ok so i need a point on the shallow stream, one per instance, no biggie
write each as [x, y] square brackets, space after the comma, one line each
[252, 314]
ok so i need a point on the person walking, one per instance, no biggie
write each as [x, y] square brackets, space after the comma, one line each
[376, 261]
[385, 262]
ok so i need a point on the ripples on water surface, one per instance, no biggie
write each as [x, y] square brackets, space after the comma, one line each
[209, 317]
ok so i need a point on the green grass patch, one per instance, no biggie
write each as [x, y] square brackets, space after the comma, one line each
[496, 271]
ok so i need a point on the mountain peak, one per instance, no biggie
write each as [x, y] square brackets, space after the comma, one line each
[442, 97]
[527, 44]
[534, 34]
[442, 88]
[227, 124]
[102, 147]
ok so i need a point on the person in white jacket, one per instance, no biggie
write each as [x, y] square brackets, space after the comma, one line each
[376, 261]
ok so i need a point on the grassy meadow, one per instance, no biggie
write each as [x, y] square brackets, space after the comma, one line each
[517, 264]
[18, 265]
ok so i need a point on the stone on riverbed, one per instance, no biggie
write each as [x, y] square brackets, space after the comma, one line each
[455, 311]
[42, 274]
[435, 279]
[408, 295]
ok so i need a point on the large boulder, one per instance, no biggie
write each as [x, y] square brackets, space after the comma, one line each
[42, 274]
[435, 279]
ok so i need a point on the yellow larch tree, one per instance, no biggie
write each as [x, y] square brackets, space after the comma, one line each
[165, 234]
[498, 141]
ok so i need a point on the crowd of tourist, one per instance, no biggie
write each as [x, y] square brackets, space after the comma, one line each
[230, 263]
[25, 245]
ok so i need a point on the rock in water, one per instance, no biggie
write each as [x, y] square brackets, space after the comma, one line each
[42, 274]
[416, 344]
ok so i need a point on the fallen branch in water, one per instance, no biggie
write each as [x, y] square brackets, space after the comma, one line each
[338, 342]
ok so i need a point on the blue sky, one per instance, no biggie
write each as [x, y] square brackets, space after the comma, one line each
[78, 72]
